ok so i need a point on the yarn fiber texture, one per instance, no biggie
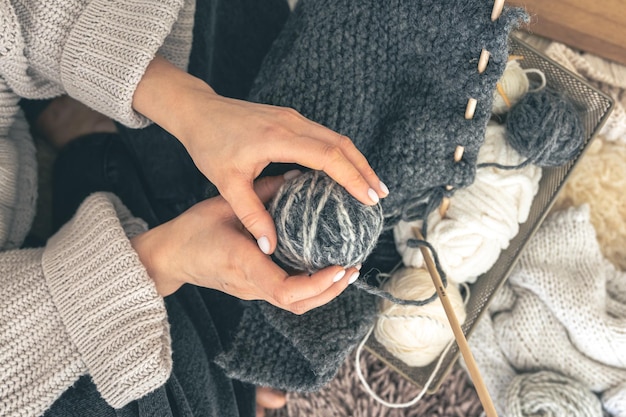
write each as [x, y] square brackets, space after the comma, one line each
[319, 224]
[344, 396]
[394, 77]
[18, 170]
[582, 280]
[515, 85]
[545, 127]
[606, 75]
[599, 180]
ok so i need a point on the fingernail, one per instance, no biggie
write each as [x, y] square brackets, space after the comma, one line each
[339, 275]
[358, 266]
[291, 174]
[353, 277]
[264, 244]
[372, 194]
[384, 188]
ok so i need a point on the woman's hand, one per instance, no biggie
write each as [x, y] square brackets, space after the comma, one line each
[209, 247]
[232, 141]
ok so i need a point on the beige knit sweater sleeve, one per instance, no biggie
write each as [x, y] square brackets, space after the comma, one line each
[110, 45]
[94, 50]
[83, 304]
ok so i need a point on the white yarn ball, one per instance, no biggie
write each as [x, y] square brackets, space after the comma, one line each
[515, 84]
[482, 218]
[416, 334]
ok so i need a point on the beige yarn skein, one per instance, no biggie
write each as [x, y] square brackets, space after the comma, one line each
[514, 84]
[416, 334]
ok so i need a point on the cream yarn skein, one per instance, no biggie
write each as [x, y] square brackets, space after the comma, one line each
[416, 335]
[513, 85]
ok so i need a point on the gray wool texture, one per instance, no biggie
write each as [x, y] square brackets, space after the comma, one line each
[394, 76]
[279, 349]
[319, 224]
[546, 128]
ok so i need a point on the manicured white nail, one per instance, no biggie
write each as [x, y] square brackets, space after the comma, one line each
[372, 194]
[358, 266]
[339, 275]
[353, 277]
[264, 244]
[289, 175]
[384, 188]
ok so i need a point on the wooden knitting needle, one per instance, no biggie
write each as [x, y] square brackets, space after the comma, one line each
[498, 5]
[483, 60]
[479, 384]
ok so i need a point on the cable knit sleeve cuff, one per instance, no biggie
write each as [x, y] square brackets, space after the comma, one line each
[109, 49]
[108, 304]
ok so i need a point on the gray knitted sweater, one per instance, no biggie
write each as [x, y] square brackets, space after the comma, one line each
[57, 321]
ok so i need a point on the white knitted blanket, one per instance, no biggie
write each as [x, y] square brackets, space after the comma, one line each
[606, 75]
[563, 311]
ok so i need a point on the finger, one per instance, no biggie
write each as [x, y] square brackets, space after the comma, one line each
[302, 306]
[362, 165]
[259, 412]
[250, 210]
[317, 288]
[353, 154]
[277, 287]
[331, 159]
[267, 187]
[270, 398]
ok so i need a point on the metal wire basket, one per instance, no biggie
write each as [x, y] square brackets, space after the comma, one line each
[594, 108]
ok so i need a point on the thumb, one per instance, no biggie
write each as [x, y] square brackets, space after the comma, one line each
[267, 187]
[247, 204]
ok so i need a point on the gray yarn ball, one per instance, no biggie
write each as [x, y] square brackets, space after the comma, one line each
[320, 224]
[546, 128]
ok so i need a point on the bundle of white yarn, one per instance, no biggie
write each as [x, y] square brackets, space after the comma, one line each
[482, 218]
[416, 334]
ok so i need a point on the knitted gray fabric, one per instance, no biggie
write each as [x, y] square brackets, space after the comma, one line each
[395, 77]
[273, 347]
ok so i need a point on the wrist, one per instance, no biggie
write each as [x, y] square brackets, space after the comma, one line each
[163, 96]
[153, 255]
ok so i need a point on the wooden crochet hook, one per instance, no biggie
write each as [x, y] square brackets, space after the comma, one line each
[461, 341]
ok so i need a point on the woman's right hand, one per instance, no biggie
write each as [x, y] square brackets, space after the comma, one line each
[208, 246]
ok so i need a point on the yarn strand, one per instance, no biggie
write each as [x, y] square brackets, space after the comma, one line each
[364, 286]
[375, 396]
[429, 381]
[413, 243]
